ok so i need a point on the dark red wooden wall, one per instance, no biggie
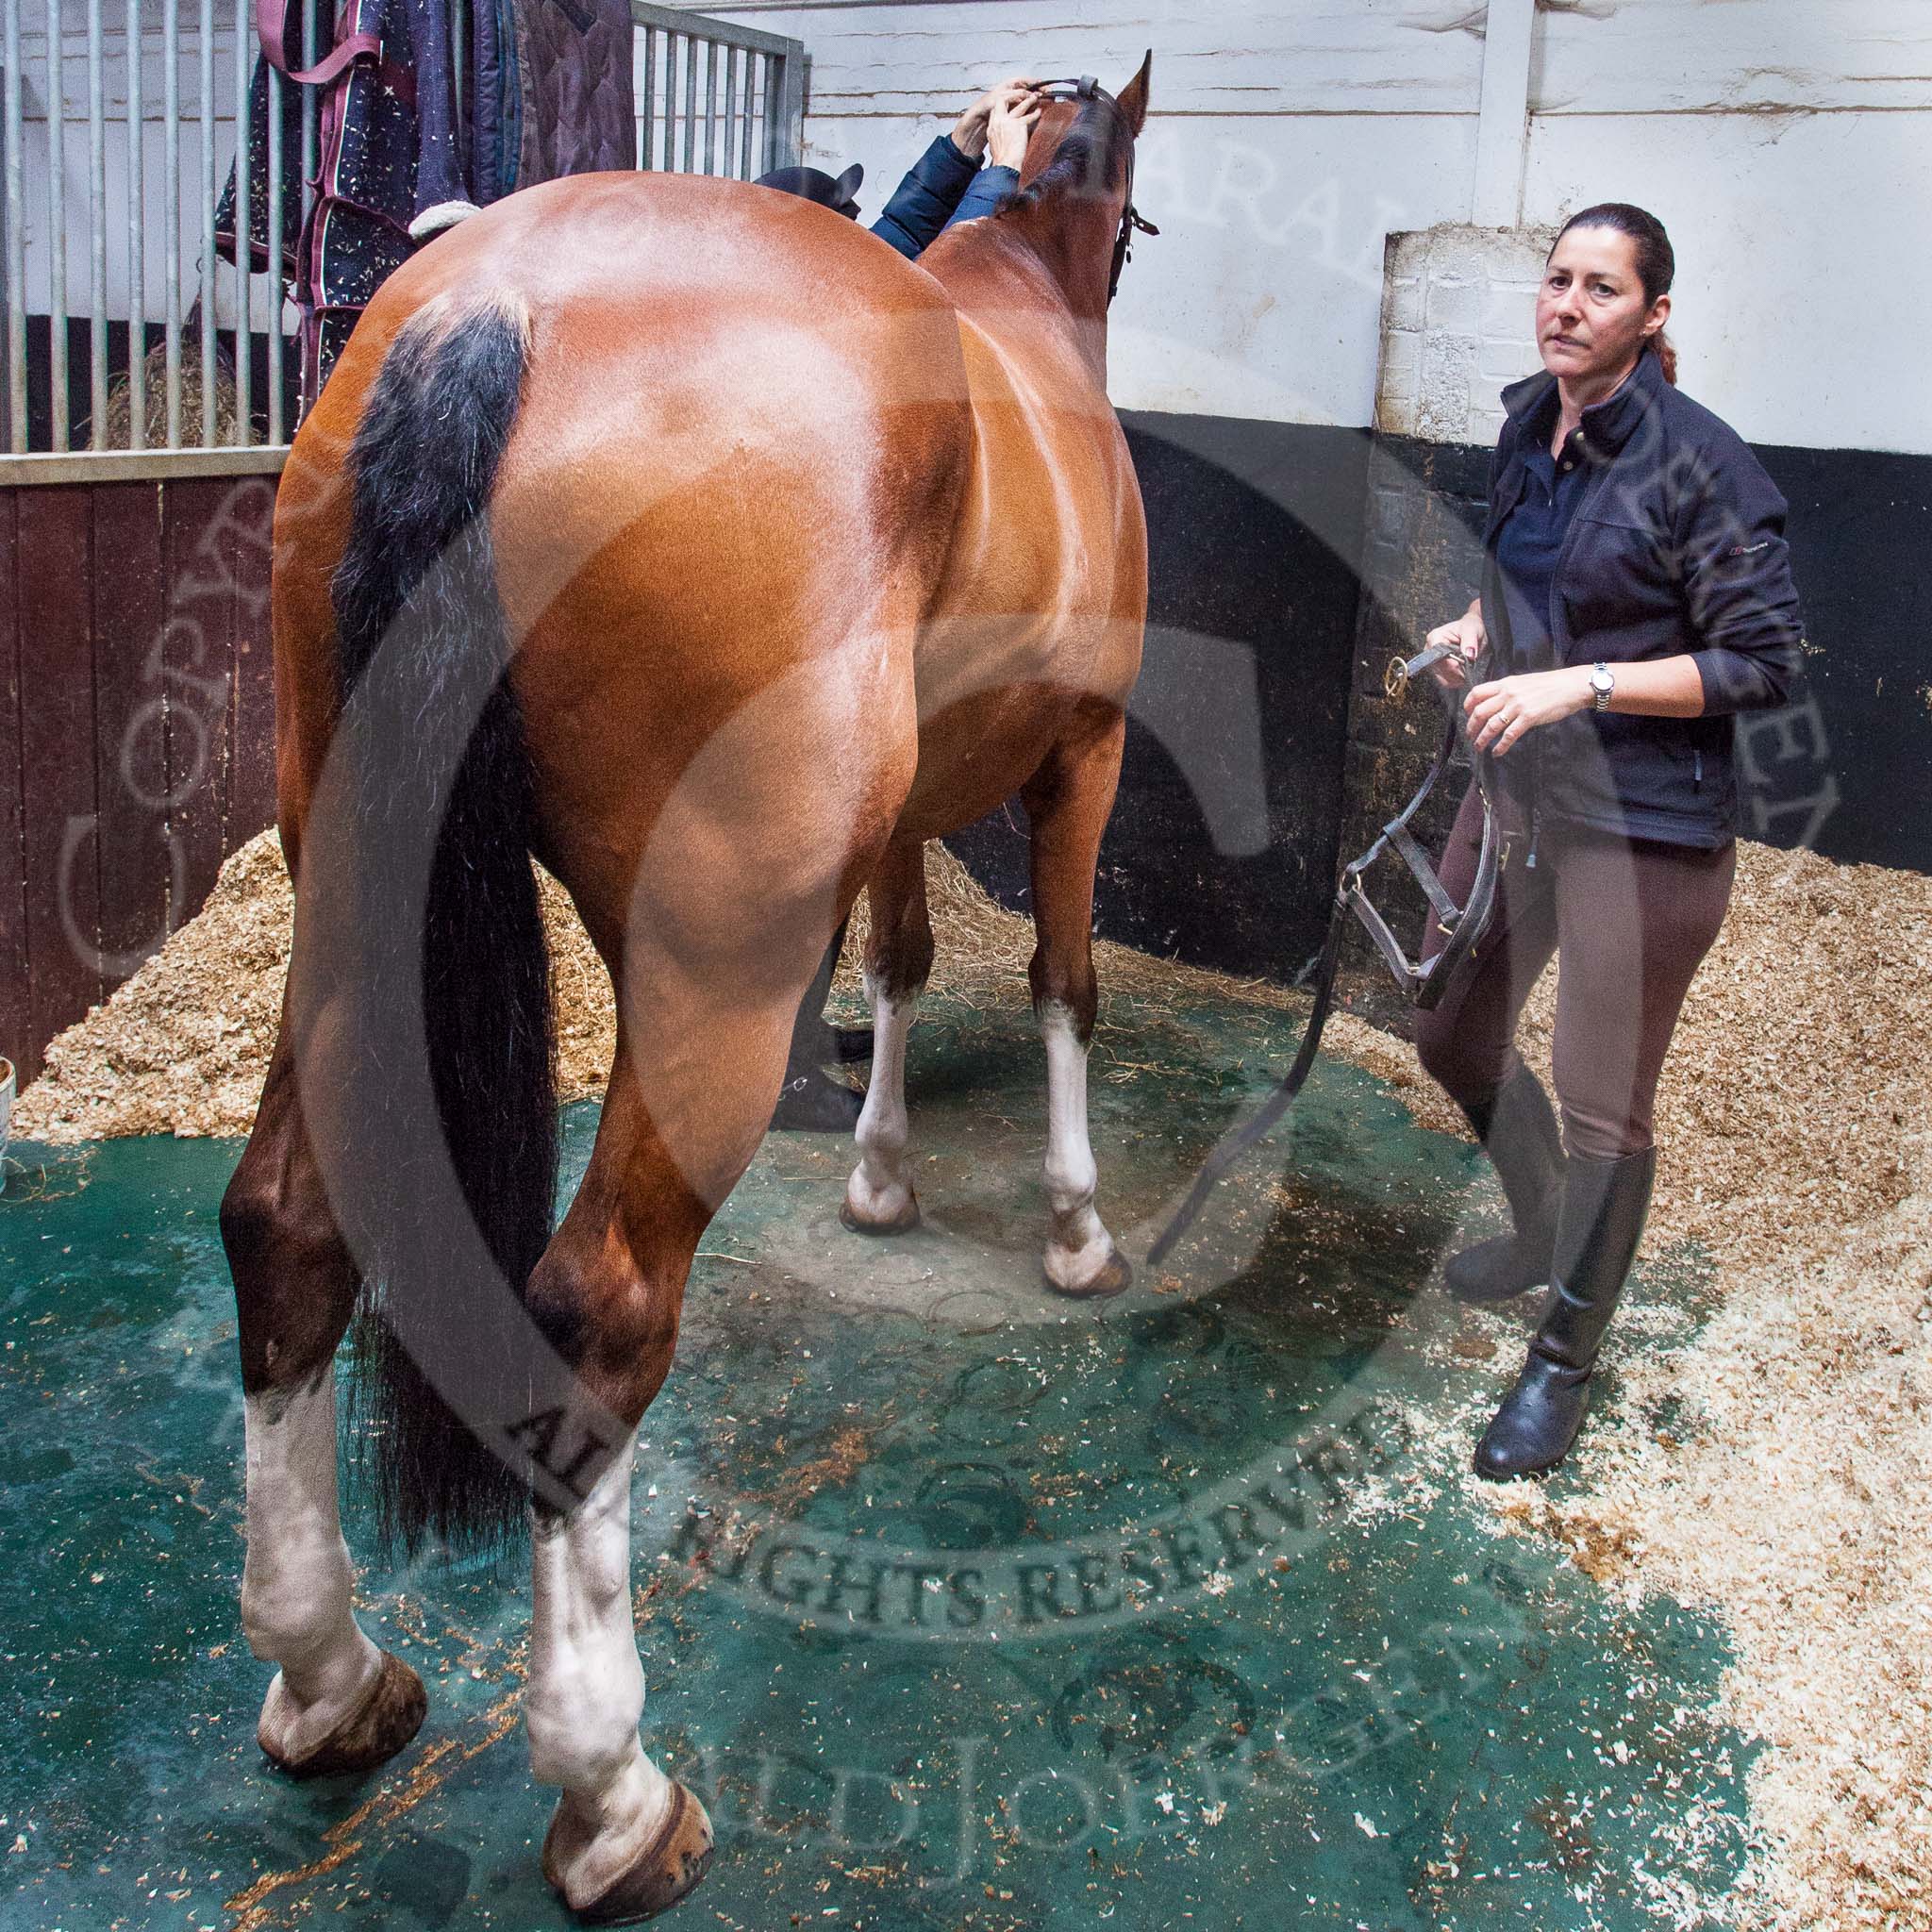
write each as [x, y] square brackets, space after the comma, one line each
[136, 727]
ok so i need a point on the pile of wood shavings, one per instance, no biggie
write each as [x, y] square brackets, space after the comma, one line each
[1795, 1501]
[1794, 1116]
[1792, 1083]
[1792, 1493]
[182, 1048]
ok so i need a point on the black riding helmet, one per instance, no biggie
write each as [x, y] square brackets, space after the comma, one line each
[814, 183]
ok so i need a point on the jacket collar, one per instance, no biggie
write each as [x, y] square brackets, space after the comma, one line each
[1607, 425]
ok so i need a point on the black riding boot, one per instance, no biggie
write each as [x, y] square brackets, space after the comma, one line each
[1519, 1131]
[1605, 1205]
[811, 1102]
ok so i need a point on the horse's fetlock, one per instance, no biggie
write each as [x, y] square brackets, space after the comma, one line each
[883, 1138]
[582, 1737]
[1072, 1183]
[289, 1619]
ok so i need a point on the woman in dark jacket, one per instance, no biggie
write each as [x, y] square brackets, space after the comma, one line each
[1636, 595]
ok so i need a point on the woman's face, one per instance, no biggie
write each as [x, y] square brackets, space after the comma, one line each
[1590, 314]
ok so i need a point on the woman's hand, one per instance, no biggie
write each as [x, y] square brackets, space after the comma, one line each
[1014, 117]
[1468, 637]
[974, 125]
[1499, 713]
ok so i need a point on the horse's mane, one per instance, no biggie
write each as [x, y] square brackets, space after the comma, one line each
[1095, 148]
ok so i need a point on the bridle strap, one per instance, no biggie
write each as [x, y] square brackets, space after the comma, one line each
[1132, 220]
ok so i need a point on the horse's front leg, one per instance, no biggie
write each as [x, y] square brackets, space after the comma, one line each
[1068, 801]
[898, 961]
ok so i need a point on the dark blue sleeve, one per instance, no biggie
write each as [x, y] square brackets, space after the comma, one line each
[988, 189]
[1737, 571]
[927, 199]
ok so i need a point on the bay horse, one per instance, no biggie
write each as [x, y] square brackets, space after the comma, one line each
[679, 534]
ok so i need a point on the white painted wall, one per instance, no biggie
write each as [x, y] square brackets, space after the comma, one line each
[1802, 263]
[1787, 144]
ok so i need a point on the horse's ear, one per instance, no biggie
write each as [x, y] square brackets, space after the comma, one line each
[1134, 96]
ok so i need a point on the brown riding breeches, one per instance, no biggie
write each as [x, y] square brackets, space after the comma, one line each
[1631, 921]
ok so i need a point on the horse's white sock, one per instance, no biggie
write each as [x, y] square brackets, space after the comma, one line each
[1079, 1247]
[879, 1194]
[297, 1580]
[586, 1691]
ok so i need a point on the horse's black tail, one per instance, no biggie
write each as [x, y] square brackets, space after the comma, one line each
[439, 790]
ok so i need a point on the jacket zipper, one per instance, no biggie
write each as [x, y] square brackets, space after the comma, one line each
[1536, 832]
[1697, 771]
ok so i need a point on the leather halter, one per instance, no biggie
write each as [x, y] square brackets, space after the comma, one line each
[1463, 926]
[1087, 89]
[1422, 983]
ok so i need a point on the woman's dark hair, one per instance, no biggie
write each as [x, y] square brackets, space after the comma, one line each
[1656, 262]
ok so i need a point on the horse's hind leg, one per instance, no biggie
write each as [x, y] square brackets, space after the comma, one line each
[626, 1840]
[337, 1704]
[1068, 801]
[898, 961]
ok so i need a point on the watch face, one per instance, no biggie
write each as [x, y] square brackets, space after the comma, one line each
[1601, 683]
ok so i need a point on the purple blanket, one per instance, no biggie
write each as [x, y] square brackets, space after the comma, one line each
[548, 93]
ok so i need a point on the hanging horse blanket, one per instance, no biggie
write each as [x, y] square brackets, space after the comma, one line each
[547, 92]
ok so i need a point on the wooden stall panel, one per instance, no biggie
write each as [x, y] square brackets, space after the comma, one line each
[55, 567]
[250, 521]
[15, 1018]
[1276, 57]
[1659, 56]
[130, 713]
[136, 727]
[198, 659]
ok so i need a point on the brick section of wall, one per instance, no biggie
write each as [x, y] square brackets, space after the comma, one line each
[1421, 563]
[1457, 308]
[1458, 325]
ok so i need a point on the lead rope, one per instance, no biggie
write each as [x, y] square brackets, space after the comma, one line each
[1422, 984]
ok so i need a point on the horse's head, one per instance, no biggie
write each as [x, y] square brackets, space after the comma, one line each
[1107, 126]
[1076, 189]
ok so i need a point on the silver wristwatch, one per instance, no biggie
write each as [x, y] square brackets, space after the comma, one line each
[1603, 685]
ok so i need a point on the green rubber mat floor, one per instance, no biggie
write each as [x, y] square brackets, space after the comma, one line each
[961, 1607]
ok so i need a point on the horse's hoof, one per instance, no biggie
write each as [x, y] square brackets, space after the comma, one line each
[370, 1735]
[668, 1868]
[1069, 1274]
[903, 1221]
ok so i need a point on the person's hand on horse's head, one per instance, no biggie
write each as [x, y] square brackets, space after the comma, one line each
[970, 136]
[1011, 128]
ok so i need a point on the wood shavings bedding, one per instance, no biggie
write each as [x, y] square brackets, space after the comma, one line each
[1795, 1501]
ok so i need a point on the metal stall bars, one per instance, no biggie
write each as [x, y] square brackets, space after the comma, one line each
[119, 122]
[714, 97]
